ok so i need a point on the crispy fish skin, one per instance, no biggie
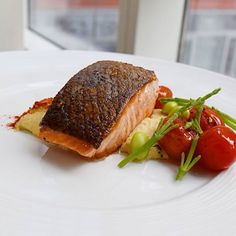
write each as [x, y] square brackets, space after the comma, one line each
[141, 105]
[91, 102]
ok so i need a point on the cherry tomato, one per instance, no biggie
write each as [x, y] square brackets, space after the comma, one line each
[217, 147]
[164, 92]
[177, 140]
[209, 118]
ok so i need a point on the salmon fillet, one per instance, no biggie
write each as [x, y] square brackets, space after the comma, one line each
[98, 108]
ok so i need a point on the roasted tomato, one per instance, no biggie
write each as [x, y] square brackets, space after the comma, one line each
[164, 92]
[209, 118]
[217, 147]
[177, 140]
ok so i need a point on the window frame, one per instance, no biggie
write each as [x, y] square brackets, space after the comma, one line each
[11, 25]
[227, 35]
[126, 32]
[35, 32]
[127, 37]
[158, 41]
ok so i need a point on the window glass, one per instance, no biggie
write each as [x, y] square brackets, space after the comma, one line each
[209, 35]
[76, 24]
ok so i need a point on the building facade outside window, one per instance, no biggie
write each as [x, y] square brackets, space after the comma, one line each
[73, 24]
[209, 35]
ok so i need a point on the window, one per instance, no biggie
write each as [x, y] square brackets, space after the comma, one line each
[77, 24]
[209, 35]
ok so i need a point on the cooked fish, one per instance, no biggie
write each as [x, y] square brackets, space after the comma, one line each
[97, 109]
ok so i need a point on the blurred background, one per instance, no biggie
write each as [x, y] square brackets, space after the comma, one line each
[196, 32]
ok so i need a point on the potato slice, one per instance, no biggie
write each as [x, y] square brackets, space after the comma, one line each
[30, 120]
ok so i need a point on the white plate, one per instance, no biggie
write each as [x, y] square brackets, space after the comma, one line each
[48, 191]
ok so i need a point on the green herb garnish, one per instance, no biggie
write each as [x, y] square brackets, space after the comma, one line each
[185, 166]
[188, 124]
[179, 101]
[230, 121]
[184, 101]
[196, 121]
[163, 129]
